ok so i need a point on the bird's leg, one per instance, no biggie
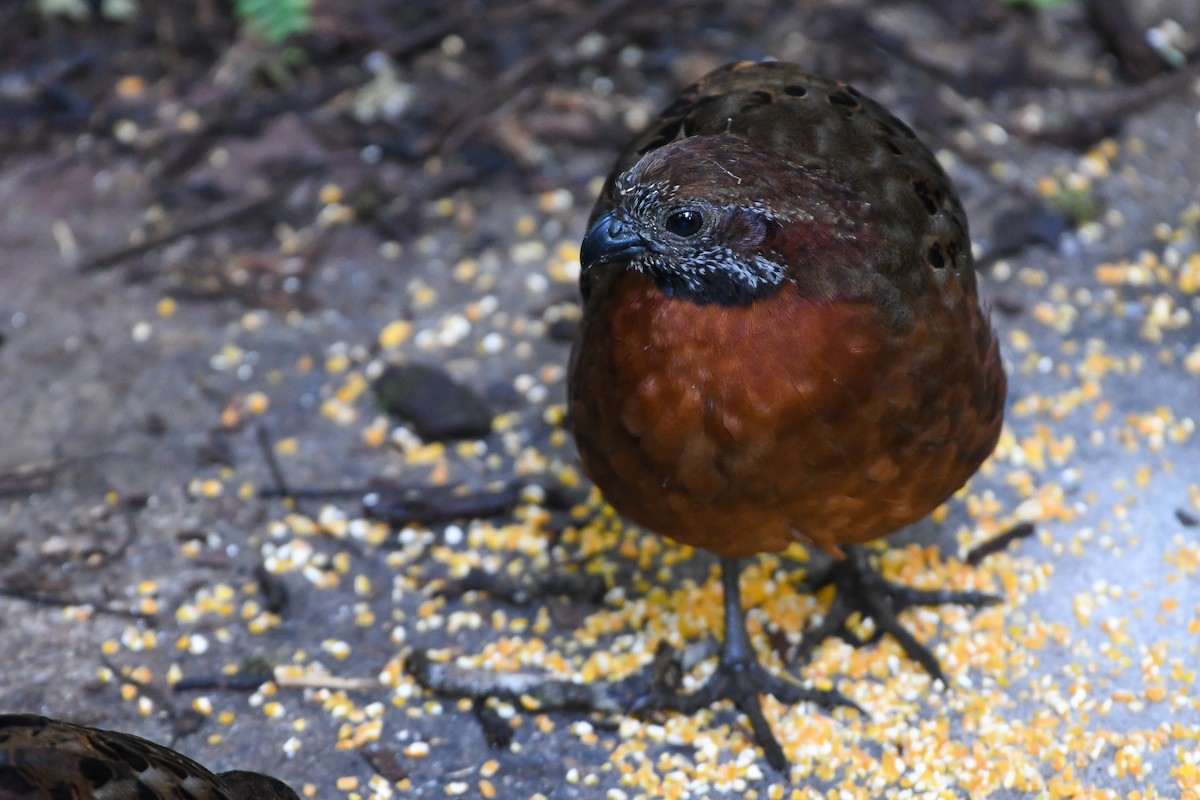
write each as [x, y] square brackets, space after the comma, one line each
[860, 588]
[741, 678]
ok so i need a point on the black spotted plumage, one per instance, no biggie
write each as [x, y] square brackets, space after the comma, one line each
[809, 364]
[47, 759]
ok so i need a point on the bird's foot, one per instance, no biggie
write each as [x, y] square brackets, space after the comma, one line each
[861, 589]
[657, 687]
[740, 681]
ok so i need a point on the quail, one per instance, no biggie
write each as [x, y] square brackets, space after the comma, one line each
[782, 342]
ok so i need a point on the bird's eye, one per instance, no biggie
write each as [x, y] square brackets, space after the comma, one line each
[685, 223]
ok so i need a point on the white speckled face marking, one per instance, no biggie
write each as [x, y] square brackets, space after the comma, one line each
[687, 246]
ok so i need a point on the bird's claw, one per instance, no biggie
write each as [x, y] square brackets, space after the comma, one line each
[659, 688]
[861, 589]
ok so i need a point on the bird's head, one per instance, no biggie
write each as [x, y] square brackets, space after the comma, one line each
[718, 219]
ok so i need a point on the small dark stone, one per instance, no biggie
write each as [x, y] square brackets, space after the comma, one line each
[498, 732]
[437, 505]
[563, 330]
[436, 406]
[502, 394]
[274, 590]
[135, 502]
[1026, 225]
[188, 722]
[215, 451]
[1007, 304]
[385, 761]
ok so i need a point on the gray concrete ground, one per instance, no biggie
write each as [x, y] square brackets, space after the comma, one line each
[130, 413]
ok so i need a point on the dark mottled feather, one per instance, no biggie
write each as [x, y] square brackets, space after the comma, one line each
[46, 759]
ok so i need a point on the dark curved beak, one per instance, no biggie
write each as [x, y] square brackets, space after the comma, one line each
[610, 239]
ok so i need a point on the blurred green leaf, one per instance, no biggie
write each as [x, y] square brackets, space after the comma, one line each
[1081, 205]
[1037, 3]
[274, 20]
